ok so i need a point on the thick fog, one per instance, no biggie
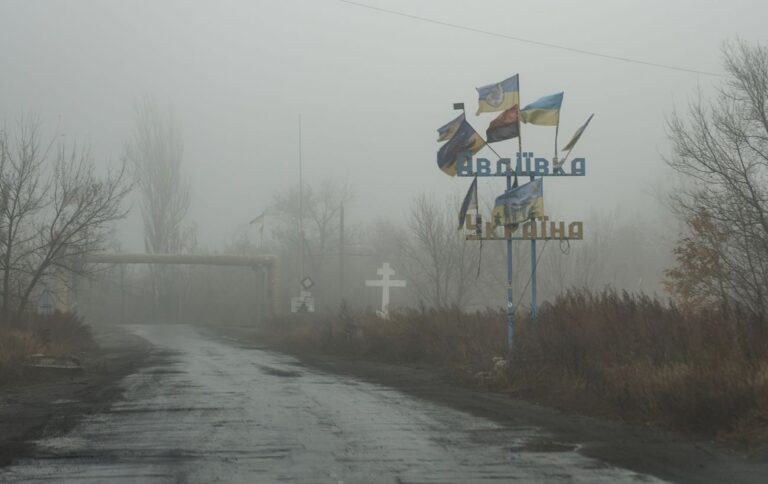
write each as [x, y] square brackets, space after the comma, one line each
[371, 87]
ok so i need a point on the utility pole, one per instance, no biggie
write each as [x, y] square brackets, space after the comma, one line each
[301, 210]
[122, 294]
[341, 253]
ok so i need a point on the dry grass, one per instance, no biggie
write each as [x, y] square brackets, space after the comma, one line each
[409, 336]
[60, 334]
[703, 373]
[626, 355]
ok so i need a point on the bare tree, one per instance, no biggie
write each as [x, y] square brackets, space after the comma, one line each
[53, 213]
[721, 148]
[319, 217]
[320, 213]
[438, 259]
[23, 192]
[155, 150]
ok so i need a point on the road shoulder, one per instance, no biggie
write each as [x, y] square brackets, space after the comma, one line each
[50, 408]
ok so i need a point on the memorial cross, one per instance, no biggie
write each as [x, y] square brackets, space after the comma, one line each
[385, 283]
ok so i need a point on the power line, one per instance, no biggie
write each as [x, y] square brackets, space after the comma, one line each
[537, 265]
[534, 42]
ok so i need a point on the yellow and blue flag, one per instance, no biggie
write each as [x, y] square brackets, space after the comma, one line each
[447, 130]
[500, 96]
[544, 111]
[519, 204]
[464, 141]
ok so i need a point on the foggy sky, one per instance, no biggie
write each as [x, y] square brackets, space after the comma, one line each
[371, 89]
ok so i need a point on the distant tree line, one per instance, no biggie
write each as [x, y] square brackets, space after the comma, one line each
[720, 149]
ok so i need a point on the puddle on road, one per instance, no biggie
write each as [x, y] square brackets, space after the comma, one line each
[53, 444]
[269, 370]
[165, 371]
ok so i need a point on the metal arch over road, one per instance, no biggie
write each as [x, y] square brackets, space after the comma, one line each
[265, 262]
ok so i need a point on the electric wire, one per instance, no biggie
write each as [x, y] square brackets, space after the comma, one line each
[479, 260]
[537, 265]
[535, 42]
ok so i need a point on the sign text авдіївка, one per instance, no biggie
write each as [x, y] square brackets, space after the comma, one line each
[526, 164]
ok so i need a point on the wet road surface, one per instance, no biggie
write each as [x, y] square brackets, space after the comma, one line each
[215, 412]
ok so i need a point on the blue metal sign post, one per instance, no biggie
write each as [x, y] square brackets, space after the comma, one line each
[505, 96]
[533, 276]
[533, 261]
[510, 292]
[525, 165]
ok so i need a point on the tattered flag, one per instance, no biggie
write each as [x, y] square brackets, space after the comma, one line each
[466, 141]
[447, 130]
[578, 134]
[470, 202]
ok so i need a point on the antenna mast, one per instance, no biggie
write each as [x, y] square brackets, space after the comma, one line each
[301, 209]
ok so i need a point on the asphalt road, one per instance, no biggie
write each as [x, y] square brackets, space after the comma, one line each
[210, 411]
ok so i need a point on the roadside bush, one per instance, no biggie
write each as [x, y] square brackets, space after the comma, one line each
[59, 334]
[703, 372]
[410, 336]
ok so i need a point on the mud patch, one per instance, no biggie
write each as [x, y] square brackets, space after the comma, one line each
[544, 445]
[269, 370]
[165, 371]
[51, 408]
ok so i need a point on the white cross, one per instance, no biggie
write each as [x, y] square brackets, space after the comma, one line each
[385, 283]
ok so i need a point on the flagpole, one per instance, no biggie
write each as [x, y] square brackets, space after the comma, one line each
[534, 264]
[477, 190]
[510, 271]
[480, 135]
[565, 158]
[510, 292]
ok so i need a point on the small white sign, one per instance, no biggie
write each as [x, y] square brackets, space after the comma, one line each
[307, 283]
[304, 303]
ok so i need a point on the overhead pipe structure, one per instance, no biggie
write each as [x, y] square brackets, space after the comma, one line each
[266, 262]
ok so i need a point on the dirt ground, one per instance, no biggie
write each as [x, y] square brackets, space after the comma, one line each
[55, 405]
[53, 408]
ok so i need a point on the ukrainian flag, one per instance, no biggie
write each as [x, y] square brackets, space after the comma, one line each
[500, 96]
[447, 130]
[465, 140]
[519, 204]
[544, 112]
